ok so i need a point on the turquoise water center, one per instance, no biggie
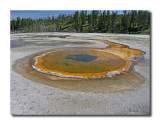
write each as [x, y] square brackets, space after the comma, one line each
[82, 57]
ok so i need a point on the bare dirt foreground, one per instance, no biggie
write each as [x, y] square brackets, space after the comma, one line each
[29, 97]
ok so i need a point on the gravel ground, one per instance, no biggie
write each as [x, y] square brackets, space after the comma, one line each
[31, 98]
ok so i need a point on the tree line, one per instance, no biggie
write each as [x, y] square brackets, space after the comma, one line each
[127, 21]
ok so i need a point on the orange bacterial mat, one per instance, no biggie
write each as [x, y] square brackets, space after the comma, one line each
[88, 63]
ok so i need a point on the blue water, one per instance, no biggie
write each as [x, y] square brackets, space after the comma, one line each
[82, 57]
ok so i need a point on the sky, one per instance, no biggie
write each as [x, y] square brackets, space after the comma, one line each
[38, 13]
[35, 14]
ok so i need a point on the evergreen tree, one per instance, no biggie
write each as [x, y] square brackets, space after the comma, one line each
[133, 22]
[125, 22]
[97, 21]
[104, 22]
[76, 21]
[100, 24]
[90, 23]
[108, 18]
[82, 15]
[113, 22]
